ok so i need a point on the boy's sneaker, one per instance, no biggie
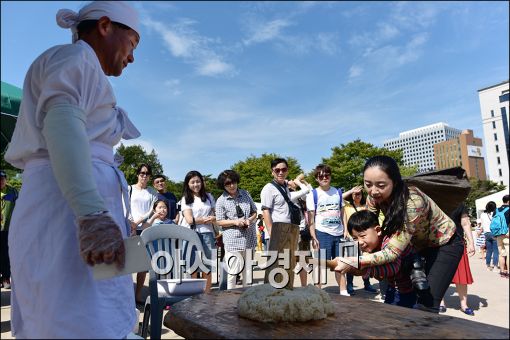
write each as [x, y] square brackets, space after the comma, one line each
[370, 289]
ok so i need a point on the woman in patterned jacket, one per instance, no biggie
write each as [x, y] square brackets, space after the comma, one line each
[410, 217]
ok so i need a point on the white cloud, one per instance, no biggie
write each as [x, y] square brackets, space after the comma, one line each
[146, 145]
[182, 41]
[214, 67]
[328, 43]
[266, 31]
[415, 15]
[355, 71]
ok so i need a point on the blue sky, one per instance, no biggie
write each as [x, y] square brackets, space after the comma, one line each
[216, 82]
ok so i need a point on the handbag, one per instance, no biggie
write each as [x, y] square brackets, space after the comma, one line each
[305, 235]
[295, 212]
[219, 241]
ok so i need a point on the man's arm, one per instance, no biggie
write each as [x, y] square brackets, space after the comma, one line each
[311, 219]
[267, 219]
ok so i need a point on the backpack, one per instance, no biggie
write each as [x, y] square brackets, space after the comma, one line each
[295, 211]
[498, 224]
[316, 198]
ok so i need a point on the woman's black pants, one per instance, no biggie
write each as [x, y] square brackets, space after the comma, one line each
[440, 266]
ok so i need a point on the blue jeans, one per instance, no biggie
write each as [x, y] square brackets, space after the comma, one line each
[492, 250]
[330, 243]
[208, 243]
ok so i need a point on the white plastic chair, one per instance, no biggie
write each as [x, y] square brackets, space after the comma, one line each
[169, 238]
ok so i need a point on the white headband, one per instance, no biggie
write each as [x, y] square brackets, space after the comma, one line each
[117, 11]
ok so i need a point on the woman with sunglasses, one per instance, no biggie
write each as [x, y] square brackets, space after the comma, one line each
[197, 207]
[141, 199]
[236, 214]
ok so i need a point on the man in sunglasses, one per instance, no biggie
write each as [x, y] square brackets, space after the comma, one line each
[159, 183]
[275, 199]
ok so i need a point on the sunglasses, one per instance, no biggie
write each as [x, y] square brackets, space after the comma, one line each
[227, 183]
[280, 170]
[239, 211]
[325, 176]
[143, 173]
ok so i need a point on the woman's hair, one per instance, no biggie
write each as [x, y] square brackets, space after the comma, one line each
[361, 221]
[157, 202]
[320, 169]
[141, 166]
[227, 175]
[395, 216]
[187, 193]
[350, 199]
[490, 207]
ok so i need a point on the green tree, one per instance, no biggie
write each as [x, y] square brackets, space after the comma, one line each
[481, 189]
[134, 155]
[175, 188]
[347, 162]
[13, 178]
[255, 172]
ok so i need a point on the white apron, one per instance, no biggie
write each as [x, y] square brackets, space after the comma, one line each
[53, 292]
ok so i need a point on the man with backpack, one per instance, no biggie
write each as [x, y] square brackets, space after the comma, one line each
[499, 228]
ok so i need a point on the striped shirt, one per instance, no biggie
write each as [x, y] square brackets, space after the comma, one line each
[392, 271]
[237, 238]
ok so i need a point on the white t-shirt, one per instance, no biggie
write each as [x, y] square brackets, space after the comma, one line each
[142, 201]
[486, 220]
[328, 214]
[199, 209]
[272, 199]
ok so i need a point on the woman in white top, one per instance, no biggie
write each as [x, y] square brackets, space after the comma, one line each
[141, 198]
[490, 242]
[197, 207]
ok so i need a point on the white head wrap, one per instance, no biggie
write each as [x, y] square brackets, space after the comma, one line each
[117, 11]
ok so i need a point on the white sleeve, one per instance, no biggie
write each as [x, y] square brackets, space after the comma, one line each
[69, 78]
[310, 206]
[295, 195]
[266, 198]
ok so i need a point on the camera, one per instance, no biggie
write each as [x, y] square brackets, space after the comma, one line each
[418, 276]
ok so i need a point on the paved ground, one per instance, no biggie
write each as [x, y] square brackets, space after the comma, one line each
[488, 296]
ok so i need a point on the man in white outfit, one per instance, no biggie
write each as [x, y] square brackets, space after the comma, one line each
[69, 215]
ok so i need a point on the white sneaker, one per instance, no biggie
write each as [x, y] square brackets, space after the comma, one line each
[344, 293]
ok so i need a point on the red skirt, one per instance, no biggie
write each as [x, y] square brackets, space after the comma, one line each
[463, 274]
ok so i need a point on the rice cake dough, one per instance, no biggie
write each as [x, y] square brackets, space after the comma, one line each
[268, 304]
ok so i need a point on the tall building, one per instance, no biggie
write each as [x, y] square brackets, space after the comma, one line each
[418, 144]
[494, 110]
[464, 151]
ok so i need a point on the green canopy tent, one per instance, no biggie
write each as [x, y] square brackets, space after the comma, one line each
[11, 100]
